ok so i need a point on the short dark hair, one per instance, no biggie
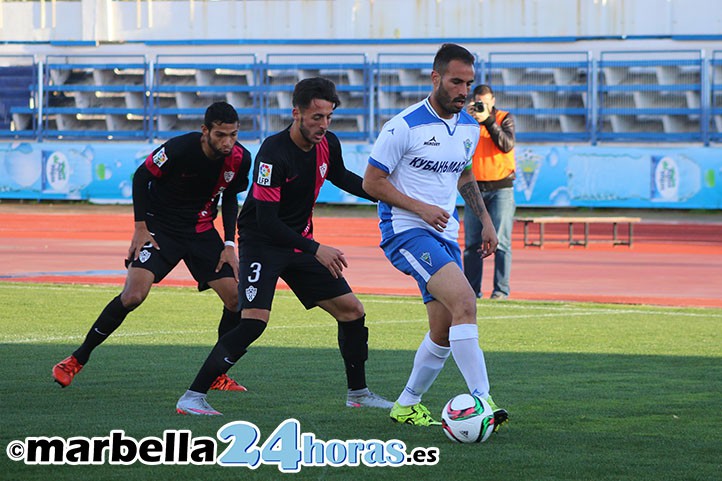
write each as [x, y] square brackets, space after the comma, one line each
[309, 89]
[220, 113]
[482, 89]
[448, 52]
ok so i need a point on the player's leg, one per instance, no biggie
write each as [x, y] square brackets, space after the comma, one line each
[473, 264]
[353, 338]
[202, 257]
[203, 253]
[227, 290]
[430, 356]
[428, 362]
[449, 288]
[259, 269]
[136, 289]
[314, 286]
[451, 306]
[150, 267]
[419, 254]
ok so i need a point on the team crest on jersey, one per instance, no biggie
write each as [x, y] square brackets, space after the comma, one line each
[426, 257]
[251, 292]
[228, 175]
[143, 256]
[159, 157]
[264, 174]
[323, 168]
[467, 148]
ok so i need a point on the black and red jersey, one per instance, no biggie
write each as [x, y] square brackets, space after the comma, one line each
[289, 179]
[184, 185]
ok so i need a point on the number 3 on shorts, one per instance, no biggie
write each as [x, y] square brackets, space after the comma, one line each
[255, 272]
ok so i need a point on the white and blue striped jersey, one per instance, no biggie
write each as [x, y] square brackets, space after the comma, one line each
[424, 156]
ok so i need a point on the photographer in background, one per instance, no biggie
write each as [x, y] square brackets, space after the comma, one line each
[493, 167]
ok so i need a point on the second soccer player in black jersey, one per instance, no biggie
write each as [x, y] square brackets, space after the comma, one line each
[276, 240]
[176, 192]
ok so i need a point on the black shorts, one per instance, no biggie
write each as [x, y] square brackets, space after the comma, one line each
[261, 266]
[200, 252]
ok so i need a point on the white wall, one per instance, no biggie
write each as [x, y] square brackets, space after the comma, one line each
[118, 21]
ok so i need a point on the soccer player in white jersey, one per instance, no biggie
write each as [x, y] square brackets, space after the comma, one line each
[420, 159]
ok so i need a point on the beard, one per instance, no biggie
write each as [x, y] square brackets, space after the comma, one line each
[307, 134]
[447, 103]
[217, 152]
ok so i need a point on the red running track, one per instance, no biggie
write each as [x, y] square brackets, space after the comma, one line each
[671, 263]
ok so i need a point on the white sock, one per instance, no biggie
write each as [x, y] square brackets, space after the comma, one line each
[464, 340]
[428, 362]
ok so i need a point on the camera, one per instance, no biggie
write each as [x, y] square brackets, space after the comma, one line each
[479, 106]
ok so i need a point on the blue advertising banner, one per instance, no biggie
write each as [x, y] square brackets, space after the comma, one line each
[679, 178]
[547, 176]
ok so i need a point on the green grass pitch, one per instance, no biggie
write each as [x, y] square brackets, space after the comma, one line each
[595, 392]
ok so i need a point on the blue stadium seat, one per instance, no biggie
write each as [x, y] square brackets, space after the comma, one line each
[613, 96]
[17, 86]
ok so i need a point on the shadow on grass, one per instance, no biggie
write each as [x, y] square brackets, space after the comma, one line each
[574, 416]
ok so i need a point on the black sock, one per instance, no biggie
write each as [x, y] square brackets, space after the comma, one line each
[107, 322]
[226, 352]
[353, 339]
[229, 321]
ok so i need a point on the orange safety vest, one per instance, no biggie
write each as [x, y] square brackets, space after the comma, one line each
[489, 163]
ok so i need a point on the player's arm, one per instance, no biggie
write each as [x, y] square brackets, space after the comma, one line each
[340, 176]
[229, 207]
[469, 190]
[141, 236]
[271, 224]
[351, 183]
[229, 213]
[376, 183]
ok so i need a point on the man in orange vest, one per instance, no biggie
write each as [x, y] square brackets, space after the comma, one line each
[493, 166]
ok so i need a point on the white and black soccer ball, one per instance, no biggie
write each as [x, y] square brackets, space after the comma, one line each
[467, 419]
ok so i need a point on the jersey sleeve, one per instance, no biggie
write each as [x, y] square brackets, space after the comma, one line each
[156, 165]
[268, 177]
[141, 179]
[335, 158]
[390, 145]
[240, 181]
[467, 119]
[160, 162]
[269, 174]
[470, 160]
[229, 208]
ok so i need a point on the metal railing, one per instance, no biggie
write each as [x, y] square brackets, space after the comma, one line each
[641, 96]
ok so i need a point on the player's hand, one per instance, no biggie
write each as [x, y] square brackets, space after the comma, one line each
[435, 216]
[228, 256]
[489, 241]
[332, 259]
[141, 238]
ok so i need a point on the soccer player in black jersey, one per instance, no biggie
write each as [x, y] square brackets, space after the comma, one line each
[276, 240]
[176, 192]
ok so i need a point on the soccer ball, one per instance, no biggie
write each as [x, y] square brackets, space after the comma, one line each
[467, 419]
